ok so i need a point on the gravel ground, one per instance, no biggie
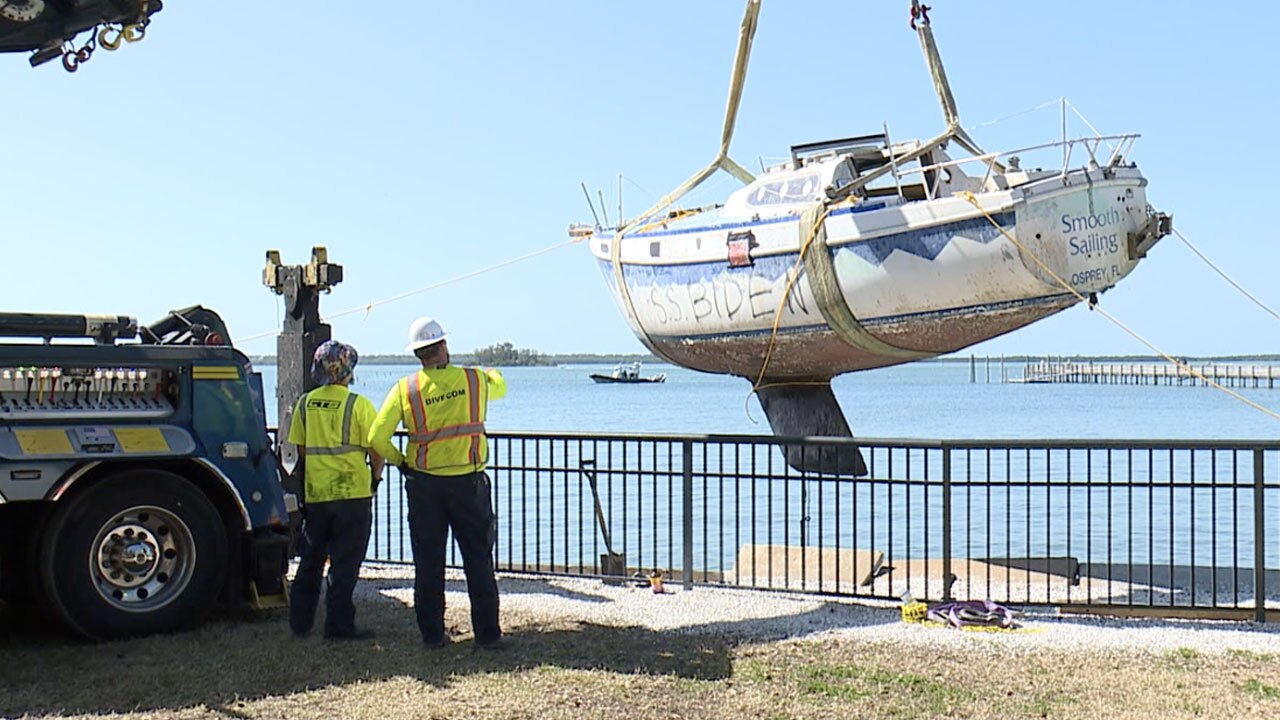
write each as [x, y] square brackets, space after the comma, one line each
[757, 615]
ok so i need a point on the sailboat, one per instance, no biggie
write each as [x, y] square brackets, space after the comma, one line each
[863, 252]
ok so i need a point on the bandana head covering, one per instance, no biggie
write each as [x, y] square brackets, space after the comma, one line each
[333, 362]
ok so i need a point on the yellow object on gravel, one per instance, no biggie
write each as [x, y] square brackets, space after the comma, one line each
[914, 611]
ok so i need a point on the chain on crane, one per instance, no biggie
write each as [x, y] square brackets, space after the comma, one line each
[109, 36]
[919, 12]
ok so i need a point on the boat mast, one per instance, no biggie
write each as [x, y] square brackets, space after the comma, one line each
[722, 160]
[920, 23]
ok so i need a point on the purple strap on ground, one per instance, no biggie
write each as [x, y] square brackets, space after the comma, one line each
[971, 612]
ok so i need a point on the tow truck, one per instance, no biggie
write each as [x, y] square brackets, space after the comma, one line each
[139, 484]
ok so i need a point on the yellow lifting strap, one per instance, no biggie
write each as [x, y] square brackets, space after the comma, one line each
[821, 269]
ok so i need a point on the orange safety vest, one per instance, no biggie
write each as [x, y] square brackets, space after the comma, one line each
[445, 420]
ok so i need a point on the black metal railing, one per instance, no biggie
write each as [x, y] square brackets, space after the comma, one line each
[1174, 527]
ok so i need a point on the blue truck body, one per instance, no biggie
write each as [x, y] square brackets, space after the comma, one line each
[139, 486]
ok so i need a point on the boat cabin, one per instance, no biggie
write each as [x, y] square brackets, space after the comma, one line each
[866, 166]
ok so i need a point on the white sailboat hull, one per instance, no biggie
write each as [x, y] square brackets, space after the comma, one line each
[918, 278]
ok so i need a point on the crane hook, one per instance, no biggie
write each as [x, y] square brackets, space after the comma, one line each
[110, 43]
[134, 33]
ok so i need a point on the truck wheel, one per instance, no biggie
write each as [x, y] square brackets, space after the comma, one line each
[142, 551]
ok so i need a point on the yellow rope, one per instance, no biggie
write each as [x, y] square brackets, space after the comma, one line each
[1190, 370]
[759, 384]
[782, 301]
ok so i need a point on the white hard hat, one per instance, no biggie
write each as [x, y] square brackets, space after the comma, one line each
[423, 332]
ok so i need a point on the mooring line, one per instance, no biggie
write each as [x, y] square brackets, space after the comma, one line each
[367, 308]
[1226, 277]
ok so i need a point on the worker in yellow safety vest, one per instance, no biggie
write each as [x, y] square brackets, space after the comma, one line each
[330, 426]
[443, 408]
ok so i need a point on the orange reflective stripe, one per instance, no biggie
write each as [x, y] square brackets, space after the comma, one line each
[445, 433]
[473, 390]
[414, 387]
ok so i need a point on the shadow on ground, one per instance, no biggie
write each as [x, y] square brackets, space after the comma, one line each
[244, 657]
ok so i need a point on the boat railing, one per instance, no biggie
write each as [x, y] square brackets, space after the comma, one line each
[1092, 145]
[899, 167]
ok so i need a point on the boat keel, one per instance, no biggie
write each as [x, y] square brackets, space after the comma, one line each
[811, 410]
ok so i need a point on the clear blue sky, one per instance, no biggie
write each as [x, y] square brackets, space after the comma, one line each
[419, 141]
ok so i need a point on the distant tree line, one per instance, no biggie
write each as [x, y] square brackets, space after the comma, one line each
[503, 354]
[507, 355]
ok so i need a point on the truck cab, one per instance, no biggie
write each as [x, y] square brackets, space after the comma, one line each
[138, 484]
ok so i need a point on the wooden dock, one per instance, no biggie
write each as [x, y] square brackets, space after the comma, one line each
[1110, 373]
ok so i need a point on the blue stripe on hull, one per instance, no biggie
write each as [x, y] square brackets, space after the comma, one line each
[768, 268]
[926, 243]
[868, 207]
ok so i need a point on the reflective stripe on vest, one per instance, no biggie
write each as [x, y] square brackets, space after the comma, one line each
[473, 387]
[424, 438]
[414, 387]
[448, 432]
[346, 447]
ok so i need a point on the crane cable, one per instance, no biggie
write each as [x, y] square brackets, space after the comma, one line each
[368, 307]
[969, 196]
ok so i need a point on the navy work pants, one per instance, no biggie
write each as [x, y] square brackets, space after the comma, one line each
[337, 531]
[463, 503]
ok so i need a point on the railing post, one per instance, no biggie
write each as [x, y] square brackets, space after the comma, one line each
[687, 511]
[1259, 540]
[947, 577]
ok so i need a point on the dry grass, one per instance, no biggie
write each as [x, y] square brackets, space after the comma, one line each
[250, 667]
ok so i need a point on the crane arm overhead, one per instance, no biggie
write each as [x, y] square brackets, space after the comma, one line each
[47, 28]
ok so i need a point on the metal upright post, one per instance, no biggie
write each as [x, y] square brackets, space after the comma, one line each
[1259, 539]
[302, 332]
[687, 511]
[947, 577]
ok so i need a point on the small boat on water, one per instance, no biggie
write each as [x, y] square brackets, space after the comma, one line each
[628, 373]
[864, 252]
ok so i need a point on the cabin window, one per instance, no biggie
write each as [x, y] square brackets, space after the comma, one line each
[787, 191]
